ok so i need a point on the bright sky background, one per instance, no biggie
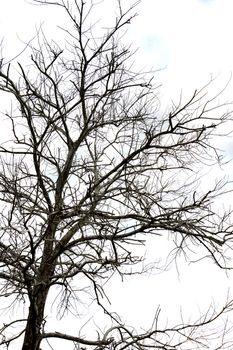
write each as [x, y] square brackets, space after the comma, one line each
[190, 40]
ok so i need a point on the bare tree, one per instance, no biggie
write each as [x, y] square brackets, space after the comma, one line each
[92, 168]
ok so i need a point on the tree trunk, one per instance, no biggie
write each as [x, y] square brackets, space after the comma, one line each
[32, 338]
[38, 294]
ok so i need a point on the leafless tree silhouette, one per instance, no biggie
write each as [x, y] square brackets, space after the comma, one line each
[92, 168]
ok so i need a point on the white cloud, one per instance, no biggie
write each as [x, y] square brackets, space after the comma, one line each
[191, 38]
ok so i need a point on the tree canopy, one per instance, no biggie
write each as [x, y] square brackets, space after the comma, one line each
[90, 171]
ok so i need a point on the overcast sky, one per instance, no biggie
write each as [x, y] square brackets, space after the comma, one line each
[190, 40]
